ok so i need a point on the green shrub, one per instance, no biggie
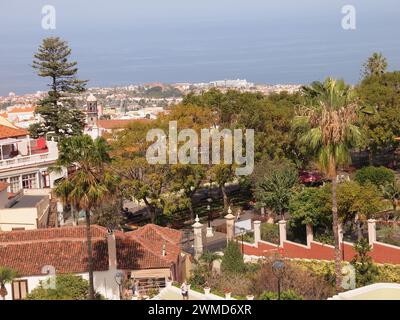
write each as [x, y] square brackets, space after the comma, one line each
[379, 176]
[247, 237]
[285, 295]
[270, 232]
[326, 237]
[386, 272]
[199, 275]
[232, 261]
[366, 270]
[68, 287]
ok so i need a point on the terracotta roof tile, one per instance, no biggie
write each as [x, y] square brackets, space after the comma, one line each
[154, 237]
[22, 109]
[8, 132]
[66, 249]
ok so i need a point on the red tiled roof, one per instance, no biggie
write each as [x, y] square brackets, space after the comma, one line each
[119, 123]
[153, 237]
[66, 249]
[140, 256]
[8, 132]
[22, 109]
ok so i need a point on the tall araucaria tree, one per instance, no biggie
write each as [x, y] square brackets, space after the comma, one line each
[58, 109]
[329, 128]
[90, 185]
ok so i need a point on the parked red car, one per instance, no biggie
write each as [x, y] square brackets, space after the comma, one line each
[311, 178]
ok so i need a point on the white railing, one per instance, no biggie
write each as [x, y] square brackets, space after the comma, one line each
[24, 160]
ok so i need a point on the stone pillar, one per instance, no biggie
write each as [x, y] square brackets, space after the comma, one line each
[340, 232]
[257, 232]
[230, 225]
[371, 231]
[198, 238]
[282, 232]
[263, 211]
[310, 234]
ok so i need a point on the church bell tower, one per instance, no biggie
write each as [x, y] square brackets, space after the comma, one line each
[92, 113]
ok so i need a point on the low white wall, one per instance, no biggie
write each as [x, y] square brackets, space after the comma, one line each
[104, 283]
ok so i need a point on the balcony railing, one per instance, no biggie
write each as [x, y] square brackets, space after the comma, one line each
[27, 160]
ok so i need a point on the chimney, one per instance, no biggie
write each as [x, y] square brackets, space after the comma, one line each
[112, 250]
[164, 252]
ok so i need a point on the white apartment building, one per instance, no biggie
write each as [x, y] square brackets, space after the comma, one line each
[25, 162]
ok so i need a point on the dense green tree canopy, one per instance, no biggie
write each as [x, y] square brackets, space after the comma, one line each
[383, 93]
[274, 184]
[378, 176]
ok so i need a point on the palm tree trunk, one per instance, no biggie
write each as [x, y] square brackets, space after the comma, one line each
[191, 210]
[359, 230]
[90, 255]
[338, 255]
[74, 222]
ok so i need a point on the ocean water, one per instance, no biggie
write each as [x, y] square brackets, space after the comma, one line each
[264, 41]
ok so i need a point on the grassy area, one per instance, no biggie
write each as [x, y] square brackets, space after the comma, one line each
[389, 234]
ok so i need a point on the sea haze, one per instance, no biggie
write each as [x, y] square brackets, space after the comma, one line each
[265, 41]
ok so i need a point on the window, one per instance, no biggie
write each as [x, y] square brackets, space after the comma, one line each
[14, 184]
[29, 181]
[19, 289]
[46, 179]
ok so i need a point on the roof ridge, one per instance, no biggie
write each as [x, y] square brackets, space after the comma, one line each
[162, 230]
[56, 233]
[4, 244]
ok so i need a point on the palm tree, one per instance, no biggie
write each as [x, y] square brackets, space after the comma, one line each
[275, 183]
[328, 128]
[7, 275]
[391, 191]
[375, 65]
[89, 185]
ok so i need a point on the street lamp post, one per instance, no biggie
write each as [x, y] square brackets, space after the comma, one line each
[242, 232]
[209, 200]
[278, 269]
[209, 233]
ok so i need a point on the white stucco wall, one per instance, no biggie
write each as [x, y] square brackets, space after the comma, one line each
[3, 198]
[104, 283]
[18, 218]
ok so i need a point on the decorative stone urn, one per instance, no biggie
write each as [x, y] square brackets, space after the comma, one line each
[207, 290]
